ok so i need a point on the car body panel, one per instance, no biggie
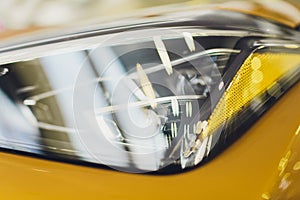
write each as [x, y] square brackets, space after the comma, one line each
[246, 170]
[272, 10]
[263, 163]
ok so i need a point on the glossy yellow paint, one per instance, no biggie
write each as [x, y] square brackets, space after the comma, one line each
[286, 181]
[279, 11]
[246, 170]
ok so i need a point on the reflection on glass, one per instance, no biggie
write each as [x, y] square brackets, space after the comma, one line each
[114, 105]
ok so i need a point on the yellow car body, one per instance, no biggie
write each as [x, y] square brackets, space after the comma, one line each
[263, 164]
[249, 169]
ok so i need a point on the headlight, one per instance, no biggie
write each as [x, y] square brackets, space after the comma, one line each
[143, 100]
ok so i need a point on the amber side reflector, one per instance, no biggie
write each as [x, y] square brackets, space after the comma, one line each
[259, 73]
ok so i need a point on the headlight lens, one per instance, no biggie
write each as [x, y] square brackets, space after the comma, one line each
[151, 100]
[263, 78]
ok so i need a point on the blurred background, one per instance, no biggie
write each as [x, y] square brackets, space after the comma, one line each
[20, 14]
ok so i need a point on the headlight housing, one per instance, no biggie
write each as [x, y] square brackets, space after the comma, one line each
[156, 98]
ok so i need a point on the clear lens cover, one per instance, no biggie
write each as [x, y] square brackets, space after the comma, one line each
[133, 103]
[137, 101]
